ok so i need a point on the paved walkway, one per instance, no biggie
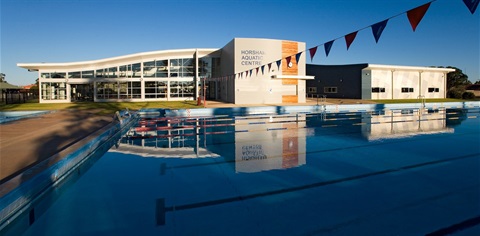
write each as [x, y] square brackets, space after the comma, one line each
[26, 142]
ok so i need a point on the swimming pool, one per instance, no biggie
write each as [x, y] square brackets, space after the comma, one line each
[381, 172]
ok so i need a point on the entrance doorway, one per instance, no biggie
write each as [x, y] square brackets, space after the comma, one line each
[81, 92]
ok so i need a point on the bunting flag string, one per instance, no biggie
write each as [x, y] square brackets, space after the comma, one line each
[471, 5]
[414, 16]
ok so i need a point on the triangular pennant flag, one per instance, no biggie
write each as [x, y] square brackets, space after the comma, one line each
[378, 28]
[257, 70]
[349, 38]
[472, 5]
[269, 67]
[263, 68]
[251, 72]
[312, 52]
[288, 59]
[279, 62]
[415, 15]
[328, 46]
[297, 57]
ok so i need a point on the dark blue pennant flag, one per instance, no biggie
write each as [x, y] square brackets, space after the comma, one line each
[472, 5]
[378, 28]
[328, 46]
[297, 57]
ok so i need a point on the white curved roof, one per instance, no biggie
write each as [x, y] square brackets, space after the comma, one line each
[125, 59]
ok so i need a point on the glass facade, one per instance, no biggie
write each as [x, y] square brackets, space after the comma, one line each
[156, 89]
[54, 91]
[156, 79]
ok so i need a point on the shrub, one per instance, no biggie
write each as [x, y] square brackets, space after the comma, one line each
[455, 93]
[468, 95]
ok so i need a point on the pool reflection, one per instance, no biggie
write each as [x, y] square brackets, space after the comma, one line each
[270, 142]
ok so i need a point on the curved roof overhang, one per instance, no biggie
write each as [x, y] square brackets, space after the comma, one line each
[125, 59]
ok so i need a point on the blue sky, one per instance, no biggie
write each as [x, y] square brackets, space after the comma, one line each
[35, 31]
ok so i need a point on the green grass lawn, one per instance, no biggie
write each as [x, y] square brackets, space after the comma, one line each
[100, 107]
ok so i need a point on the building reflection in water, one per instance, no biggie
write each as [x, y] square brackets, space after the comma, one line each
[271, 142]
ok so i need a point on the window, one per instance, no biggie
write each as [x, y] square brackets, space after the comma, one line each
[208, 67]
[149, 69]
[75, 74]
[407, 90]
[182, 89]
[312, 89]
[107, 90]
[54, 91]
[433, 90]
[378, 90]
[330, 89]
[99, 73]
[155, 89]
[125, 71]
[87, 74]
[136, 68]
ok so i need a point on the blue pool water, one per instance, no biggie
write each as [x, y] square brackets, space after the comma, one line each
[400, 172]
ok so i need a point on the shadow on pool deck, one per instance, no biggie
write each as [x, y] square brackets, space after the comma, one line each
[24, 144]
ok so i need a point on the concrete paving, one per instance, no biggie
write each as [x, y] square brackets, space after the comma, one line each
[27, 142]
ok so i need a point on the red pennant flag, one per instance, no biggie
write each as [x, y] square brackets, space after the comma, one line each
[257, 70]
[312, 52]
[349, 38]
[471, 4]
[269, 67]
[378, 28]
[288, 60]
[415, 15]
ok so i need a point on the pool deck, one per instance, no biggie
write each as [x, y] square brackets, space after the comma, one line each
[48, 138]
[27, 142]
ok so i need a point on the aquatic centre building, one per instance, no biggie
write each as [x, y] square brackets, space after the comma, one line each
[244, 71]
[372, 81]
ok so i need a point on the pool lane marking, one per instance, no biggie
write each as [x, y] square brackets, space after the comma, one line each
[313, 185]
[456, 227]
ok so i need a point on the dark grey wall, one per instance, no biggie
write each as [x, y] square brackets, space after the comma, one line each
[347, 79]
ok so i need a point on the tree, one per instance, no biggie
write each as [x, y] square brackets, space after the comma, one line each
[457, 79]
